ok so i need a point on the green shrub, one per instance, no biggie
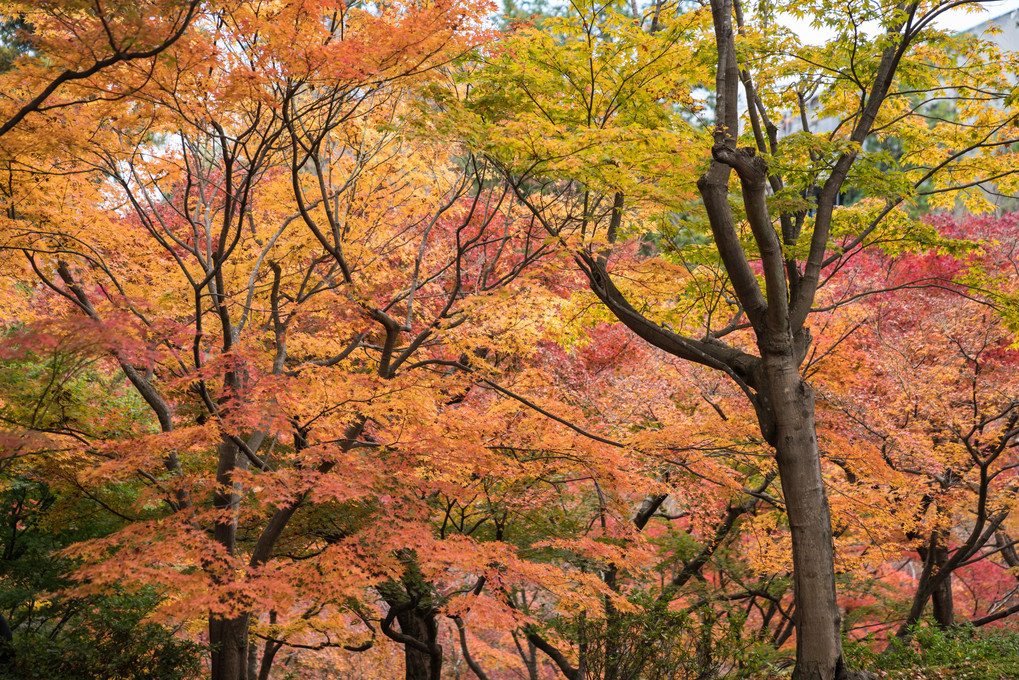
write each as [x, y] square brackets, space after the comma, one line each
[106, 641]
[962, 652]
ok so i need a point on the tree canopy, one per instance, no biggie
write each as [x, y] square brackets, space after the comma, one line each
[353, 339]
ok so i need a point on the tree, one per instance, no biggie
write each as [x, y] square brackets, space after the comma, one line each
[583, 118]
[106, 36]
[936, 358]
[221, 313]
[704, 474]
[329, 247]
[44, 512]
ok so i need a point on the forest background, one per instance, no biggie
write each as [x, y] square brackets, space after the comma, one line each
[368, 340]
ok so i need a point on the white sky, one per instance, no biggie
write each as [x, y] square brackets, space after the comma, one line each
[957, 19]
[961, 20]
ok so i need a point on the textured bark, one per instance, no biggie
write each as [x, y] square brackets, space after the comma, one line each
[791, 404]
[777, 311]
[228, 636]
[941, 598]
[229, 641]
[252, 673]
[412, 606]
[935, 586]
[422, 626]
[785, 408]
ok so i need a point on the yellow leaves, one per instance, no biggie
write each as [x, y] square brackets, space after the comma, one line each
[767, 547]
[895, 231]
[573, 592]
[560, 102]
[15, 295]
[360, 364]
[513, 320]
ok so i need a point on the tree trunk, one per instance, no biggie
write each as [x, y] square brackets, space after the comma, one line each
[705, 652]
[934, 584]
[228, 637]
[613, 629]
[252, 661]
[941, 598]
[229, 641]
[421, 625]
[789, 402]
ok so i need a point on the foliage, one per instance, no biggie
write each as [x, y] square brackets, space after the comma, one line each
[106, 639]
[348, 328]
[932, 652]
[44, 511]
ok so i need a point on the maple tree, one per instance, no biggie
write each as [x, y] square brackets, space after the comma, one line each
[939, 450]
[708, 436]
[185, 266]
[584, 115]
[282, 272]
[113, 34]
[694, 440]
[95, 637]
[470, 344]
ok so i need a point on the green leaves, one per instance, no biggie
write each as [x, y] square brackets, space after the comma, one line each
[105, 639]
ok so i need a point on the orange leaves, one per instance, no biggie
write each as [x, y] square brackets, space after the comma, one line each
[336, 355]
[149, 451]
[305, 309]
[325, 42]
[167, 554]
[293, 455]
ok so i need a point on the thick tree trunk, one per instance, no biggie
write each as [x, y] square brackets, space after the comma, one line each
[229, 641]
[421, 625]
[941, 598]
[790, 405]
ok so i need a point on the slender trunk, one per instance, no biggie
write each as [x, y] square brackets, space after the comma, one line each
[790, 403]
[705, 657]
[531, 661]
[530, 657]
[581, 673]
[229, 641]
[228, 637]
[613, 628]
[933, 584]
[252, 673]
[268, 652]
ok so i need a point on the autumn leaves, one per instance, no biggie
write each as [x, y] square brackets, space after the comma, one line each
[422, 341]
